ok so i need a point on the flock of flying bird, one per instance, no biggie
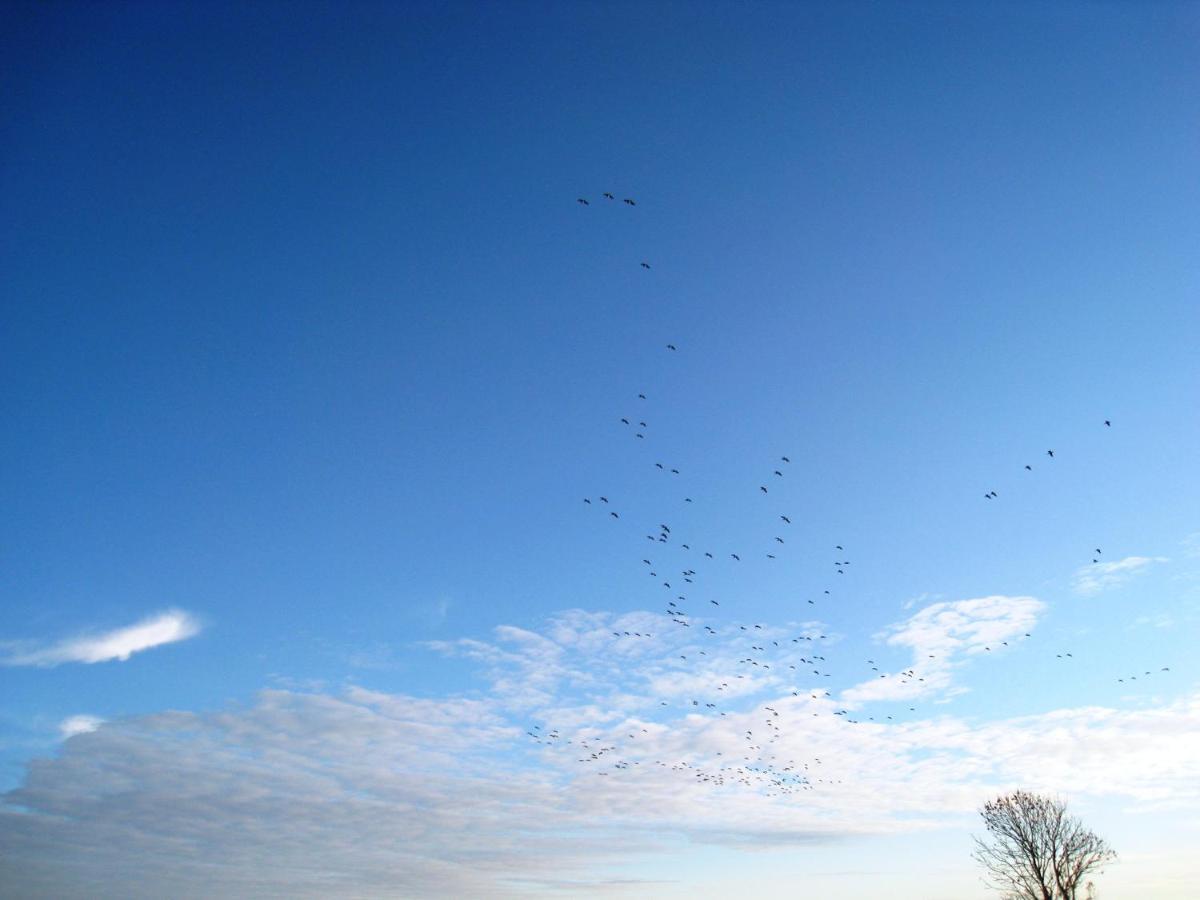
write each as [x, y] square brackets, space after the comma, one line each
[798, 658]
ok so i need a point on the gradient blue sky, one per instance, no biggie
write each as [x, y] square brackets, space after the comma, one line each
[309, 355]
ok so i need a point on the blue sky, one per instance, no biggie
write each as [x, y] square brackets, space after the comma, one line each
[310, 357]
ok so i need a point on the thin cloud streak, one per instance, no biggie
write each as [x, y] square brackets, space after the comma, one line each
[119, 644]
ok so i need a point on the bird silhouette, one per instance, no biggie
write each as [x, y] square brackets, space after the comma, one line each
[584, 202]
[609, 196]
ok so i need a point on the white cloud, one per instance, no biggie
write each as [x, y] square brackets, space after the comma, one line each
[1097, 577]
[121, 643]
[939, 636]
[82, 724]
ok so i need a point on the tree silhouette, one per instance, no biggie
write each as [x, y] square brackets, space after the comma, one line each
[1034, 850]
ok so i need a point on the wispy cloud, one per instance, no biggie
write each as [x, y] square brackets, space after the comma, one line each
[1157, 620]
[1191, 545]
[939, 636]
[119, 644]
[1102, 576]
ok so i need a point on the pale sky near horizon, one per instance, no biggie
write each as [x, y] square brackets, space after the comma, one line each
[310, 357]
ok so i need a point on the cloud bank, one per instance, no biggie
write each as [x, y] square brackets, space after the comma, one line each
[587, 750]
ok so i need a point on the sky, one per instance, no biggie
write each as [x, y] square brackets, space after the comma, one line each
[310, 357]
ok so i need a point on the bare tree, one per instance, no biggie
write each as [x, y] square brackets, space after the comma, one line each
[1034, 850]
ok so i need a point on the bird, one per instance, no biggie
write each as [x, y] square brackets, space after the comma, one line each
[584, 202]
[671, 347]
[614, 515]
[785, 459]
[641, 396]
[735, 556]
[763, 489]
[1108, 423]
[786, 519]
[1029, 468]
[609, 196]
[630, 201]
[1050, 453]
[587, 501]
[626, 421]
[645, 265]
